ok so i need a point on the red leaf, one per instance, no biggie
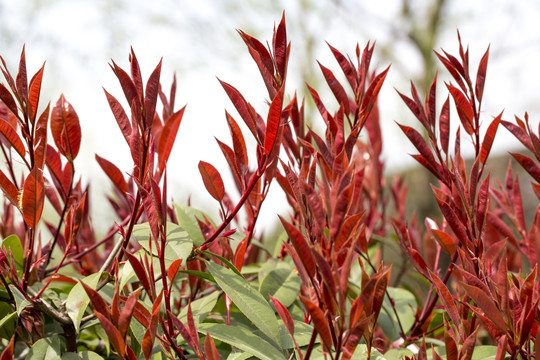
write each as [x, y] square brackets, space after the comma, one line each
[40, 138]
[127, 312]
[7, 98]
[65, 129]
[150, 335]
[210, 350]
[173, 269]
[336, 87]
[263, 60]
[33, 197]
[529, 165]
[9, 189]
[444, 125]
[519, 133]
[130, 91]
[446, 298]
[486, 303]
[346, 66]
[284, 315]
[152, 90]
[212, 180]
[33, 95]
[136, 73]
[139, 271]
[488, 138]
[22, 80]
[372, 92]
[100, 306]
[464, 108]
[10, 134]
[319, 321]
[7, 354]
[167, 137]
[113, 334]
[242, 107]
[230, 156]
[481, 76]
[301, 246]
[113, 173]
[239, 144]
[415, 109]
[273, 122]
[447, 242]
[120, 115]
[431, 101]
[280, 48]
[420, 144]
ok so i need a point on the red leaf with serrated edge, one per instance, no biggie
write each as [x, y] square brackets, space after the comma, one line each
[454, 67]
[113, 334]
[450, 341]
[273, 123]
[447, 242]
[263, 59]
[140, 313]
[280, 48]
[40, 138]
[183, 331]
[33, 197]
[152, 90]
[240, 253]
[529, 165]
[488, 138]
[167, 137]
[212, 180]
[22, 79]
[354, 336]
[431, 101]
[230, 156]
[114, 174]
[173, 269]
[150, 334]
[120, 115]
[127, 312]
[446, 298]
[301, 246]
[99, 305]
[210, 350]
[444, 125]
[128, 87]
[487, 304]
[139, 271]
[10, 134]
[372, 92]
[482, 203]
[346, 66]
[420, 144]
[242, 107]
[464, 108]
[65, 128]
[284, 315]
[136, 73]
[320, 106]
[34, 91]
[467, 349]
[519, 133]
[7, 98]
[192, 328]
[415, 109]
[319, 321]
[326, 272]
[239, 144]
[336, 87]
[9, 189]
[481, 76]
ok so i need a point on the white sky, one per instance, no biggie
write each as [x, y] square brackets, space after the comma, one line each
[198, 41]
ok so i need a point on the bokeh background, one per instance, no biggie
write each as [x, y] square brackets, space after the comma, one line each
[198, 41]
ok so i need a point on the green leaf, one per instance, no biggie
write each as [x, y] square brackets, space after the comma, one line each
[243, 340]
[239, 356]
[484, 352]
[78, 300]
[83, 355]
[45, 349]
[405, 304]
[20, 300]
[200, 308]
[282, 283]
[186, 219]
[250, 302]
[12, 245]
[398, 354]
[8, 323]
[179, 243]
[229, 264]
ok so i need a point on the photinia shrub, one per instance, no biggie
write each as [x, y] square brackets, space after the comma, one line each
[349, 275]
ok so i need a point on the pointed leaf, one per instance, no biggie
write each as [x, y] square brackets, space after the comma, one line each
[273, 122]
[489, 137]
[40, 138]
[34, 91]
[167, 137]
[152, 89]
[210, 348]
[481, 75]
[319, 321]
[446, 298]
[120, 115]
[9, 189]
[10, 134]
[247, 299]
[65, 128]
[33, 197]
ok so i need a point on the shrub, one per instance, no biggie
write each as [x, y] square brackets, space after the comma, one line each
[169, 281]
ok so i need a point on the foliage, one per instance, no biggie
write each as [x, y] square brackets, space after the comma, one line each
[167, 281]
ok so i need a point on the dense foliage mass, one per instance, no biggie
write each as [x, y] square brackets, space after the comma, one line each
[168, 281]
